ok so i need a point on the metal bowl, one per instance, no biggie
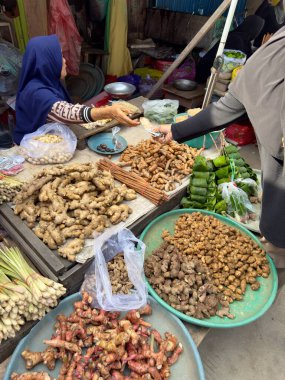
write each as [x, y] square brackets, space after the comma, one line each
[184, 84]
[120, 89]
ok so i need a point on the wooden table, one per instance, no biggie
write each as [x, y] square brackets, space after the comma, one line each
[187, 99]
[144, 212]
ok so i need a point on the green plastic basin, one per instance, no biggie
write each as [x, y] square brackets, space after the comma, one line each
[254, 304]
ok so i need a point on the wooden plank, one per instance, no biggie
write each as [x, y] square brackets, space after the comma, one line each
[52, 262]
[199, 91]
[26, 249]
[192, 44]
[36, 17]
[139, 225]
[187, 103]
[175, 27]
[198, 333]
[136, 18]
[82, 133]
[8, 346]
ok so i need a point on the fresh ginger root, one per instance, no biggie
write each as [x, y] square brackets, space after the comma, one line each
[70, 249]
[31, 376]
[32, 358]
[75, 201]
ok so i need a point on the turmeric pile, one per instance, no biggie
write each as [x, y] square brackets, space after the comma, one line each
[98, 345]
[65, 204]
[162, 165]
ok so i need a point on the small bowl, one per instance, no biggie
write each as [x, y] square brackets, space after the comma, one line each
[184, 84]
[120, 89]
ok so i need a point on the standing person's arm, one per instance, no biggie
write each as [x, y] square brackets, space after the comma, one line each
[215, 117]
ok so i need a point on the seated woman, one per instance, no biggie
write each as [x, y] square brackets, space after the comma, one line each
[41, 96]
[238, 39]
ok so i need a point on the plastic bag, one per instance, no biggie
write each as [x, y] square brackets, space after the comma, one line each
[232, 59]
[242, 134]
[160, 111]
[185, 71]
[61, 22]
[97, 282]
[52, 143]
[238, 204]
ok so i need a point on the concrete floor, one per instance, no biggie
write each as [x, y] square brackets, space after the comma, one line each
[251, 352]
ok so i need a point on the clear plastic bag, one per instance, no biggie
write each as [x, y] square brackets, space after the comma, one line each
[237, 201]
[232, 59]
[161, 111]
[97, 282]
[53, 143]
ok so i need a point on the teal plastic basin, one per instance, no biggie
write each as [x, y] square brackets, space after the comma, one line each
[198, 142]
[254, 304]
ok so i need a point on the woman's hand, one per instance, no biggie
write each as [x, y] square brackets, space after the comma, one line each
[115, 111]
[165, 129]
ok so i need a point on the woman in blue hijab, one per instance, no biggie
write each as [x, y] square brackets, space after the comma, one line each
[41, 95]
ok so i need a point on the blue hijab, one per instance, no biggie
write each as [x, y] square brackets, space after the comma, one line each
[39, 85]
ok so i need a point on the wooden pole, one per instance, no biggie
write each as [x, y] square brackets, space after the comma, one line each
[192, 44]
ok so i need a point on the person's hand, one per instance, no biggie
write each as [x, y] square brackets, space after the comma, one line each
[266, 38]
[119, 112]
[165, 129]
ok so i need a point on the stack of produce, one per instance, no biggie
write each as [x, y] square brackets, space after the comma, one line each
[162, 165]
[184, 283]
[9, 187]
[231, 164]
[134, 181]
[25, 295]
[202, 187]
[113, 346]
[207, 191]
[65, 204]
[216, 260]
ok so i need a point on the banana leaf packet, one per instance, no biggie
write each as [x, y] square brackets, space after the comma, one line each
[202, 186]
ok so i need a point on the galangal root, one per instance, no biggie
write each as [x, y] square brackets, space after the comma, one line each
[233, 259]
[184, 283]
[64, 205]
[96, 344]
[162, 165]
[31, 376]
[118, 274]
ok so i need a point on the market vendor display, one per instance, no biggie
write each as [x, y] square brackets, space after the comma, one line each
[258, 91]
[41, 95]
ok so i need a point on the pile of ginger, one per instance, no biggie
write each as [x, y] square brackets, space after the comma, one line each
[164, 166]
[112, 344]
[65, 204]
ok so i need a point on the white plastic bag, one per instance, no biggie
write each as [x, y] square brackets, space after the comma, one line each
[230, 63]
[161, 111]
[97, 282]
[237, 201]
[61, 146]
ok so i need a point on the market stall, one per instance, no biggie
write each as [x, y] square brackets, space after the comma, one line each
[71, 273]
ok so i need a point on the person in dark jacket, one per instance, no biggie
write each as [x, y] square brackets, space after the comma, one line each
[238, 39]
[259, 92]
[271, 11]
